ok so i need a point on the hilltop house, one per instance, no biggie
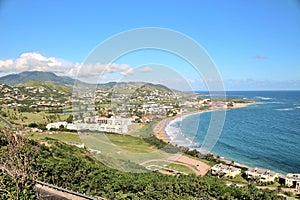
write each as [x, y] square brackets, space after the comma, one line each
[225, 170]
[293, 180]
[134, 117]
[146, 119]
[261, 175]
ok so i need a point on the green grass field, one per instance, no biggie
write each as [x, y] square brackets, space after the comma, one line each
[180, 168]
[124, 142]
[63, 136]
[117, 146]
[25, 118]
[141, 130]
[129, 143]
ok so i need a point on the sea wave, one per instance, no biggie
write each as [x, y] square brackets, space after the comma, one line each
[266, 136]
[276, 102]
[175, 134]
[284, 109]
[264, 98]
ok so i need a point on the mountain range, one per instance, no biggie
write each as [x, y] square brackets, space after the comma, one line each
[23, 77]
[39, 76]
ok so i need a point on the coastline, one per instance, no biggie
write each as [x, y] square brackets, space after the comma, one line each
[160, 131]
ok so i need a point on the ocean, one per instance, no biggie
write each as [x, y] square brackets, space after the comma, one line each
[265, 135]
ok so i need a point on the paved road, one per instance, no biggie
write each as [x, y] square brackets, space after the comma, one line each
[50, 191]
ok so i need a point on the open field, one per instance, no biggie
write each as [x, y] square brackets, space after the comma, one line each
[180, 168]
[131, 144]
[123, 147]
[126, 147]
[62, 136]
[25, 118]
[142, 130]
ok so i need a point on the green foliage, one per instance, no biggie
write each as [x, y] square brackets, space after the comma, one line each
[70, 119]
[290, 194]
[169, 148]
[32, 125]
[18, 167]
[74, 168]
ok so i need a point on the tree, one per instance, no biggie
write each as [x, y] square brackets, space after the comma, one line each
[17, 166]
[33, 125]
[70, 119]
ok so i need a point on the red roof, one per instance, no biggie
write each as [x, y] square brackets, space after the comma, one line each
[102, 117]
[146, 118]
[133, 117]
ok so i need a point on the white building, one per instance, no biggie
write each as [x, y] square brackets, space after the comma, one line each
[113, 120]
[99, 127]
[226, 170]
[292, 180]
[56, 125]
[104, 124]
[261, 175]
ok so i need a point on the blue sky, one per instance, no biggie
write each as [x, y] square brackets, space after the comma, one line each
[254, 44]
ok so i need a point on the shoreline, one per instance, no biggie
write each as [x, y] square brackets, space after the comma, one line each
[160, 131]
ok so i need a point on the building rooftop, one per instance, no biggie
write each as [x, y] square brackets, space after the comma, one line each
[225, 167]
[293, 176]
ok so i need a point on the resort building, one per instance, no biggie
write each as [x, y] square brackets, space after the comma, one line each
[261, 175]
[113, 126]
[113, 120]
[56, 125]
[293, 180]
[225, 170]
[99, 127]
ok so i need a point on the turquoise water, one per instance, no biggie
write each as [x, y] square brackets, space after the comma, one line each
[266, 135]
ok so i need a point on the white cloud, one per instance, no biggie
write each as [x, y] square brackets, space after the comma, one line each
[33, 61]
[6, 65]
[99, 69]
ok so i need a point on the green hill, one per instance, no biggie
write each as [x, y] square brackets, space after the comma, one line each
[23, 77]
[48, 86]
[29, 76]
[73, 168]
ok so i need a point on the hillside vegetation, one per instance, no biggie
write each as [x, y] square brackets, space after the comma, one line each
[24, 160]
[46, 85]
